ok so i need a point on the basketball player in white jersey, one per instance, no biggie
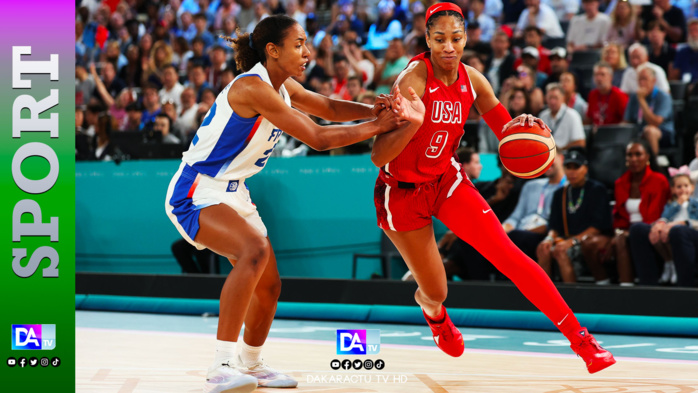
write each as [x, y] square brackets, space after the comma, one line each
[209, 202]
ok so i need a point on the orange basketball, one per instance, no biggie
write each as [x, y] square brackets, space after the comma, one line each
[527, 152]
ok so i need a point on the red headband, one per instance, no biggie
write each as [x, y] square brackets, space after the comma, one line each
[438, 7]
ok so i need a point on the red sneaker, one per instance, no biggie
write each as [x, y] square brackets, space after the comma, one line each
[595, 357]
[446, 336]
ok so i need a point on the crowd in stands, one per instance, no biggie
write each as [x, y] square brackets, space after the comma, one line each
[612, 78]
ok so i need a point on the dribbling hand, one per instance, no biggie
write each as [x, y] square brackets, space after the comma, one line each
[524, 119]
[409, 110]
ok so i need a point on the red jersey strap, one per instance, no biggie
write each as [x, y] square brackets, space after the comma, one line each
[426, 58]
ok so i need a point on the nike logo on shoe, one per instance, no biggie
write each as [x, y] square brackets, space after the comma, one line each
[486, 211]
[433, 90]
[563, 320]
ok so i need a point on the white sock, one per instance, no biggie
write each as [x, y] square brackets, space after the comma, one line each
[225, 351]
[249, 355]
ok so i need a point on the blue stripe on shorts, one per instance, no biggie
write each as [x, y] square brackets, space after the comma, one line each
[187, 214]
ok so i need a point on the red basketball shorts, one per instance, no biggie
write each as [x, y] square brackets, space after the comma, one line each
[409, 206]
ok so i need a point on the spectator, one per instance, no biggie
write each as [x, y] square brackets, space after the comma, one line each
[201, 24]
[660, 52]
[208, 97]
[387, 71]
[624, 26]
[526, 79]
[579, 213]
[171, 89]
[84, 85]
[110, 82]
[564, 122]
[541, 16]
[353, 22]
[355, 87]
[341, 75]
[416, 35]
[83, 148]
[568, 81]
[607, 103]
[218, 64]
[669, 16]
[151, 104]
[651, 109]
[361, 66]
[588, 31]
[227, 10]
[170, 109]
[181, 55]
[533, 36]
[686, 60]
[493, 8]
[673, 236]
[113, 55]
[640, 193]
[385, 29]
[134, 115]
[564, 9]
[246, 15]
[474, 43]
[186, 119]
[518, 102]
[487, 24]
[188, 29]
[163, 124]
[198, 56]
[230, 26]
[295, 12]
[558, 64]
[160, 56]
[614, 55]
[638, 59]
[103, 149]
[529, 57]
[227, 76]
[197, 80]
[500, 65]
[527, 225]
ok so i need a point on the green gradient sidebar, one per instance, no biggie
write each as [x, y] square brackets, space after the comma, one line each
[37, 279]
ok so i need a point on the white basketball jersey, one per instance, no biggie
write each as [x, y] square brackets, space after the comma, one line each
[229, 147]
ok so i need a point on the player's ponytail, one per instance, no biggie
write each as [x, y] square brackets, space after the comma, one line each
[250, 48]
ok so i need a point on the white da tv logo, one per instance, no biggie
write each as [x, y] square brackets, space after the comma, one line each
[35, 337]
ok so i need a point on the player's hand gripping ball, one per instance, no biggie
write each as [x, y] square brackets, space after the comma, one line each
[527, 151]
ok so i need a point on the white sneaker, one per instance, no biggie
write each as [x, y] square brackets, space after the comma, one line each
[667, 273]
[226, 379]
[674, 278]
[267, 377]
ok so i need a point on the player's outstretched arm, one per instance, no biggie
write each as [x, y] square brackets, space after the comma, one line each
[331, 109]
[389, 145]
[494, 114]
[251, 96]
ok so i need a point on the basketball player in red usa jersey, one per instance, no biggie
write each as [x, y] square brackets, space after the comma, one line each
[420, 178]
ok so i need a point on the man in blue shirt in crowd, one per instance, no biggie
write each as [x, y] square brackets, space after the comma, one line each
[528, 223]
[651, 109]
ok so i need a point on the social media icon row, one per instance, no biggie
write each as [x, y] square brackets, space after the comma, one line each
[33, 362]
[357, 364]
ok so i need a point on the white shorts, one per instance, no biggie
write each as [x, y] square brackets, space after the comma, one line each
[190, 191]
